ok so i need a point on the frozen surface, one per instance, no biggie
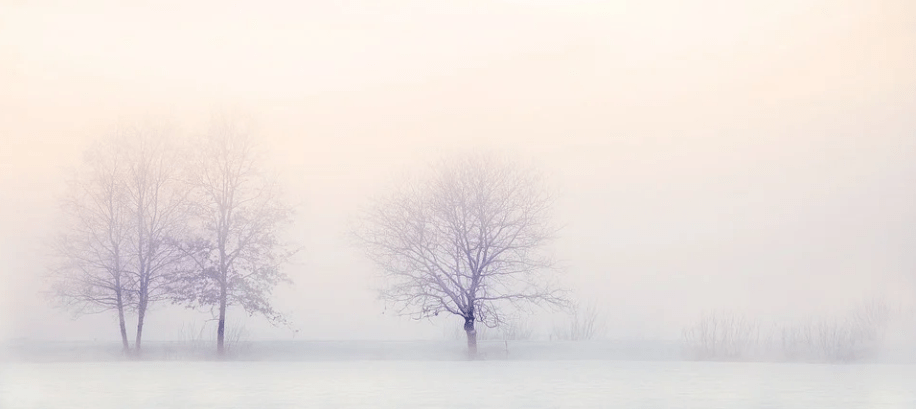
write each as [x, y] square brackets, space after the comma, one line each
[286, 351]
[346, 351]
[451, 384]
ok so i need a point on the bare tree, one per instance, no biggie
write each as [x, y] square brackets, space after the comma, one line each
[235, 252]
[155, 198]
[469, 238]
[124, 212]
[92, 248]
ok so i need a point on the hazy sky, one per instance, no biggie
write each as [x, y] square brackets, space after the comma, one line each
[708, 154]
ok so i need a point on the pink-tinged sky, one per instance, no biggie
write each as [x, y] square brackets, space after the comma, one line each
[758, 156]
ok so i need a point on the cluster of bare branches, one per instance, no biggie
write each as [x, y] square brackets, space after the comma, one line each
[469, 239]
[518, 329]
[193, 341]
[722, 336]
[852, 336]
[147, 221]
[584, 323]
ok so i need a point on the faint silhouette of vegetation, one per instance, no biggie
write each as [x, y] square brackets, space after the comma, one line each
[583, 323]
[721, 335]
[193, 342]
[852, 336]
[511, 329]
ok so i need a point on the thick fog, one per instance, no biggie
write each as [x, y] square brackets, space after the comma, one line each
[704, 155]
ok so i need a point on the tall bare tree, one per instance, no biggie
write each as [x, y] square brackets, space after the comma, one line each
[236, 252]
[124, 213]
[469, 238]
[93, 246]
[156, 199]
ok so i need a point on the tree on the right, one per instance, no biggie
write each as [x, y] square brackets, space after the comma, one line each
[470, 237]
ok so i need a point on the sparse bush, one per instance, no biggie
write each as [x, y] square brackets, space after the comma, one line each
[722, 336]
[515, 329]
[584, 323]
[852, 336]
[195, 343]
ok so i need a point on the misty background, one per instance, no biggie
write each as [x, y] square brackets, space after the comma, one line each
[705, 154]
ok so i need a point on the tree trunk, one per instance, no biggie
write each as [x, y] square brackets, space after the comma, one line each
[124, 343]
[143, 273]
[141, 315]
[472, 337]
[221, 326]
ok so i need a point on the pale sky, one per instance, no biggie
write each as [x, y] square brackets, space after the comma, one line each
[756, 155]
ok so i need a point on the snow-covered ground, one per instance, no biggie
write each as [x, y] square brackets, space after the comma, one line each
[284, 374]
[346, 351]
[454, 384]
[287, 351]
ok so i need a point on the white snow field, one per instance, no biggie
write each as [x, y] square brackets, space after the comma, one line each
[454, 384]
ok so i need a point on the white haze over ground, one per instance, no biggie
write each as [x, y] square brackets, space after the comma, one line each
[756, 156]
[503, 385]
